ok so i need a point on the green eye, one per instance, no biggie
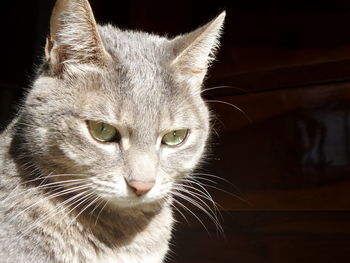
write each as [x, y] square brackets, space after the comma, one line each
[103, 132]
[175, 137]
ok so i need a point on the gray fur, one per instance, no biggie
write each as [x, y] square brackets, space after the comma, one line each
[144, 85]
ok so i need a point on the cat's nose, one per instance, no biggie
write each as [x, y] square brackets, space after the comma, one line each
[140, 187]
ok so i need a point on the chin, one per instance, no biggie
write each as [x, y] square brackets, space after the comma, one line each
[148, 202]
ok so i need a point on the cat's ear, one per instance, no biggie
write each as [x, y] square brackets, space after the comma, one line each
[74, 38]
[194, 51]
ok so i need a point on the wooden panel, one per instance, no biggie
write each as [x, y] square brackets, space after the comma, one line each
[273, 237]
[293, 154]
[279, 77]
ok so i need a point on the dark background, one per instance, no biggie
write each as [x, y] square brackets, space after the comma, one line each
[286, 65]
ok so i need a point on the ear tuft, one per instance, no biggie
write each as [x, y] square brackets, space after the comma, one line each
[74, 37]
[196, 50]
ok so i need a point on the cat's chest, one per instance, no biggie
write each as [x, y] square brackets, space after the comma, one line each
[147, 246]
[127, 257]
[134, 252]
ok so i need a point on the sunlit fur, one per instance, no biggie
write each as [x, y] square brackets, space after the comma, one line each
[64, 194]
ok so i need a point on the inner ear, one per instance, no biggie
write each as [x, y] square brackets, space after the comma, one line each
[74, 37]
[194, 51]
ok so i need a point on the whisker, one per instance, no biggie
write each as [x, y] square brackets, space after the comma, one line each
[178, 210]
[200, 176]
[234, 106]
[215, 205]
[204, 192]
[196, 204]
[192, 213]
[212, 214]
[228, 193]
[87, 206]
[59, 209]
[225, 87]
[51, 196]
[46, 186]
[198, 197]
[43, 178]
[215, 177]
[85, 199]
[98, 203]
[98, 215]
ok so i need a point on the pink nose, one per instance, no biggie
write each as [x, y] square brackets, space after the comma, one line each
[140, 187]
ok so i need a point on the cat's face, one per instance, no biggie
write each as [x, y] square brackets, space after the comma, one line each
[125, 109]
[142, 115]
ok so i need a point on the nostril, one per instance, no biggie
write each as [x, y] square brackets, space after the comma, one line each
[140, 187]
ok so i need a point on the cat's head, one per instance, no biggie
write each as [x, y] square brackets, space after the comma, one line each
[120, 110]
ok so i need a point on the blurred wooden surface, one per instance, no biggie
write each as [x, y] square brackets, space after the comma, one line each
[273, 237]
[288, 157]
[286, 65]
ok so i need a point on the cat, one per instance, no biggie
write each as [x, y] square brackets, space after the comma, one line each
[113, 122]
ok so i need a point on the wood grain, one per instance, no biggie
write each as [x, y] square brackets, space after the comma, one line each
[274, 237]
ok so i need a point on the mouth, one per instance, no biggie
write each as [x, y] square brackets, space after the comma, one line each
[121, 195]
[133, 200]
